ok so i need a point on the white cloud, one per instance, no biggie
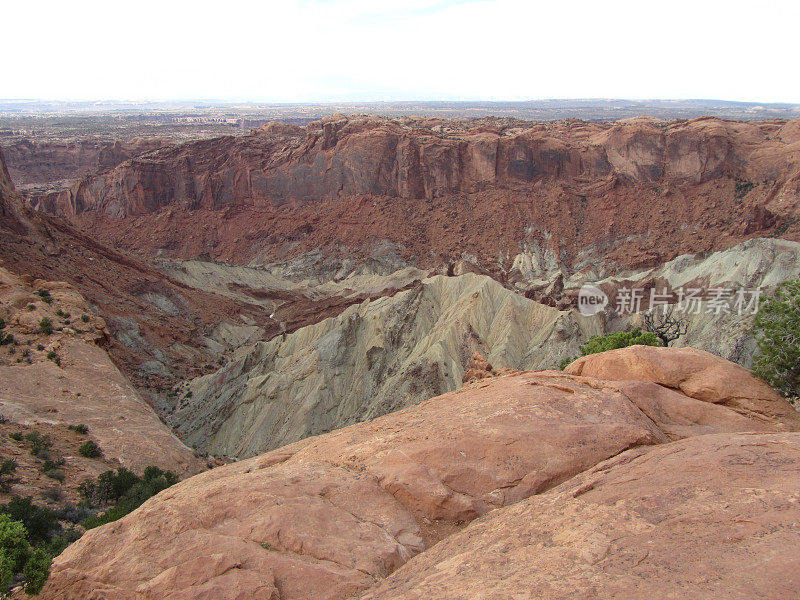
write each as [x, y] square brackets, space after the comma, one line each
[415, 49]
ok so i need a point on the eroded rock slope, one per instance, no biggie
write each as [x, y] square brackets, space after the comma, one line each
[55, 373]
[374, 358]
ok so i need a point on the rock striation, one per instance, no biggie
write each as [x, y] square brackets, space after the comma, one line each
[636, 192]
[373, 358]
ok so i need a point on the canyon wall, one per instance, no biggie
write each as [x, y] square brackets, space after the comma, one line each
[630, 194]
[39, 163]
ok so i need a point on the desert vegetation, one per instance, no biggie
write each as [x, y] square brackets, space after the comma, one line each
[612, 341]
[777, 331]
[122, 492]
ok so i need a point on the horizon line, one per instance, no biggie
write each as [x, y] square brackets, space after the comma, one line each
[395, 101]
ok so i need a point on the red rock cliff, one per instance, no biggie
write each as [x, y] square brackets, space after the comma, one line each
[443, 187]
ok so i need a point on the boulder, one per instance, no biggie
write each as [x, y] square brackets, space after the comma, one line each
[696, 374]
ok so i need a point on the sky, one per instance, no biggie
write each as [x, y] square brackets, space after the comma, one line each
[373, 50]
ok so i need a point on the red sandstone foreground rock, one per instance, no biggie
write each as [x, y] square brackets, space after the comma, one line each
[331, 516]
[695, 373]
[709, 517]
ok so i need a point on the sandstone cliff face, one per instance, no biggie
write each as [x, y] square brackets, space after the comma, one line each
[331, 516]
[8, 218]
[439, 188]
[424, 159]
[161, 330]
[6, 185]
[38, 163]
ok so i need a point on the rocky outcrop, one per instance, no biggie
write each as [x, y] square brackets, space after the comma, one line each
[330, 516]
[344, 360]
[636, 192]
[696, 374]
[373, 358]
[61, 163]
[478, 368]
[8, 217]
[688, 518]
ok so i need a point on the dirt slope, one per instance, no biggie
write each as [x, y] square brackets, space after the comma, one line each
[55, 373]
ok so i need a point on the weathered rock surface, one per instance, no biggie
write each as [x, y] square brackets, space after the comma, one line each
[373, 358]
[757, 263]
[330, 516]
[394, 351]
[708, 517]
[634, 193]
[84, 386]
[478, 368]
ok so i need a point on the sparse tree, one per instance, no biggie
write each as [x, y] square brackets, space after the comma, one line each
[665, 325]
[777, 330]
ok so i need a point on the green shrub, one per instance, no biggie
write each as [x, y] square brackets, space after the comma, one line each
[52, 493]
[40, 522]
[743, 187]
[16, 436]
[2, 323]
[7, 468]
[14, 550]
[6, 339]
[777, 331]
[49, 465]
[90, 450]
[612, 341]
[56, 474]
[82, 429]
[18, 558]
[36, 571]
[46, 326]
[45, 296]
[31, 307]
[40, 444]
[128, 490]
[85, 318]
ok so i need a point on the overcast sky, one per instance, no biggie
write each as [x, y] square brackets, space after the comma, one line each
[363, 50]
